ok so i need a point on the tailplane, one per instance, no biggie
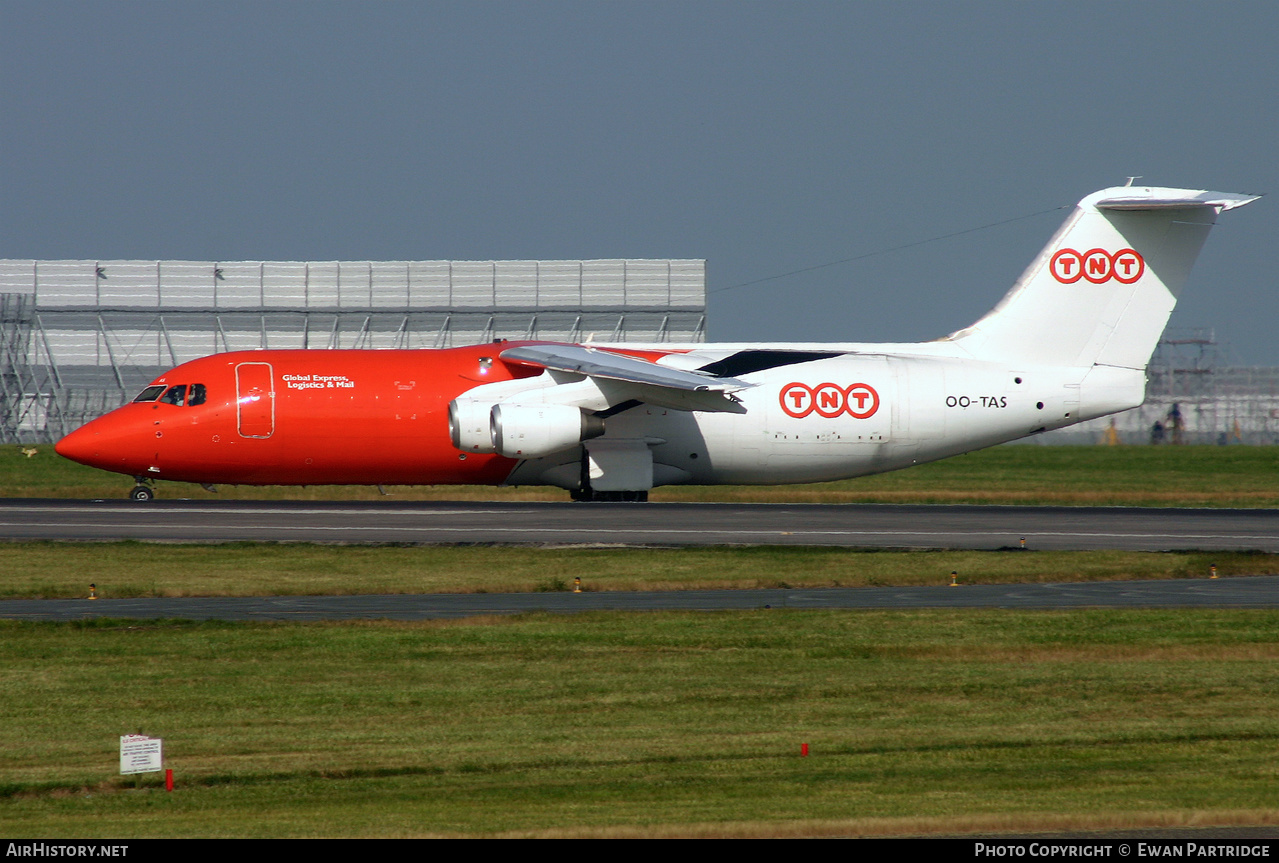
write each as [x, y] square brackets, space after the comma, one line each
[1102, 289]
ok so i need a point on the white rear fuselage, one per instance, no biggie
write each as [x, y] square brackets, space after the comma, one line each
[1069, 342]
[865, 411]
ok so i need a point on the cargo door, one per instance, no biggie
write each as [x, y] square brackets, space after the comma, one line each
[255, 400]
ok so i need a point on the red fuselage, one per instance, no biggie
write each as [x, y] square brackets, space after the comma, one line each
[301, 418]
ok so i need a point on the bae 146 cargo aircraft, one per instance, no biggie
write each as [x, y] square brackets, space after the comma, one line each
[1069, 342]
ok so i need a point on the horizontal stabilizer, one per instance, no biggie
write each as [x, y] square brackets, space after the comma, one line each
[1170, 199]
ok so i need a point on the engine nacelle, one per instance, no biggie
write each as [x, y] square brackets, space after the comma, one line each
[470, 425]
[532, 431]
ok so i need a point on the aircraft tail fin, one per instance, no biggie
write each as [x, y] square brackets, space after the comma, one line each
[1102, 289]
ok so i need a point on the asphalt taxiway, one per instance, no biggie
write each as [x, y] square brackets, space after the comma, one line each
[659, 524]
[1254, 592]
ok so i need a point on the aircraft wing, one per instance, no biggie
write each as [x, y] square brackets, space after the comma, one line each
[635, 378]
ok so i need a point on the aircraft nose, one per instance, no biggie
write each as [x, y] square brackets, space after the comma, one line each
[77, 446]
[109, 442]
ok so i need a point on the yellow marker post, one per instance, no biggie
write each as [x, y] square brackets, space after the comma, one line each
[1212, 570]
[577, 584]
[93, 591]
[954, 578]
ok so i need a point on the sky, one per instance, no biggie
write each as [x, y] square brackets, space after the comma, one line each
[765, 137]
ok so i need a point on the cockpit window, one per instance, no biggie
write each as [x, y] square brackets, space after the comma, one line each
[175, 395]
[150, 394]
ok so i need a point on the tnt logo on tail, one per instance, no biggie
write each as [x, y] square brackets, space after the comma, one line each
[1097, 266]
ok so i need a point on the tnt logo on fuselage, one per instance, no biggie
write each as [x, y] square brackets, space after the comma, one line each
[1097, 266]
[859, 401]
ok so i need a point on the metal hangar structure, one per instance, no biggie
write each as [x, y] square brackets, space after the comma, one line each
[79, 338]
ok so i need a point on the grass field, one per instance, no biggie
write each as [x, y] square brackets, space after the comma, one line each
[1235, 476]
[657, 724]
[660, 724]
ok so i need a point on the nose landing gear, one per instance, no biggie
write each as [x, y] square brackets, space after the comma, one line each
[142, 492]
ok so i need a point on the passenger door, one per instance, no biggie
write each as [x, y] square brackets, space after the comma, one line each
[255, 400]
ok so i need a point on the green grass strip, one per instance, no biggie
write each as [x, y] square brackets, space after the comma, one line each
[133, 569]
[655, 724]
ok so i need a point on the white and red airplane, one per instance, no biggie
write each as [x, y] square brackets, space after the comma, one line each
[1069, 342]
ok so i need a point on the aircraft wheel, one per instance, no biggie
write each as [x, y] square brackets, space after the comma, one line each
[142, 494]
[589, 495]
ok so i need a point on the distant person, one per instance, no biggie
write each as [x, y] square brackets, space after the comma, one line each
[1175, 423]
[1157, 433]
[1110, 437]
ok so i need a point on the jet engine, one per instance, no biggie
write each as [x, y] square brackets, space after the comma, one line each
[470, 425]
[532, 431]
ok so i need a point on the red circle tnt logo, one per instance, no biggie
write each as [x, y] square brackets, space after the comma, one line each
[859, 401]
[1097, 265]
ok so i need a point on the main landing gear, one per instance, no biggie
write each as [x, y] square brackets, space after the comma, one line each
[590, 494]
[584, 493]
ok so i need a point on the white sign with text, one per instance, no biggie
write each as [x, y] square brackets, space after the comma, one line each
[140, 754]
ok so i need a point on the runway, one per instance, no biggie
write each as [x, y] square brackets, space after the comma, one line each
[656, 524]
[1255, 592]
